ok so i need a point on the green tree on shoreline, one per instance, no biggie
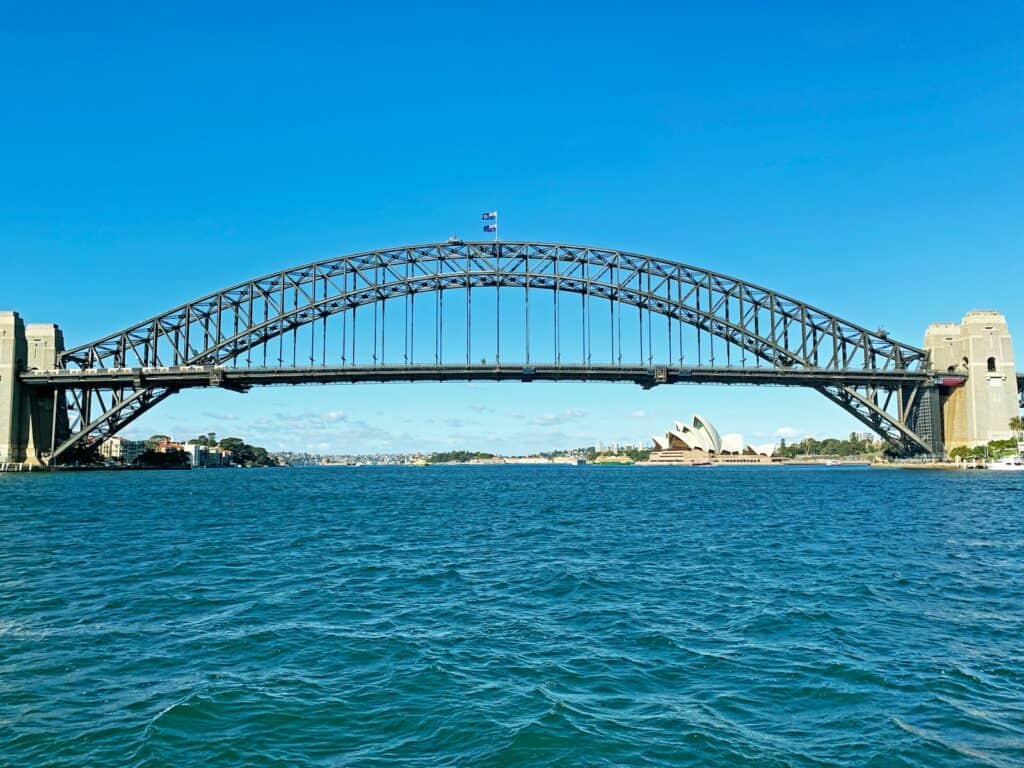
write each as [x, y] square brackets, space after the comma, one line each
[245, 454]
[831, 446]
[1017, 425]
[447, 457]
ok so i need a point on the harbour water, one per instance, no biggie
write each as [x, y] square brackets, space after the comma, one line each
[549, 616]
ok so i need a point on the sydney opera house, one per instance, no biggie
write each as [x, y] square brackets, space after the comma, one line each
[698, 443]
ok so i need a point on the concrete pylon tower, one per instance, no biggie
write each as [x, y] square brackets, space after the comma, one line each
[979, 346]
[43, 344]
[27, 424]
[12, 360]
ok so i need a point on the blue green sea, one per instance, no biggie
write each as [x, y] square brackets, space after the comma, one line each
[499, 616]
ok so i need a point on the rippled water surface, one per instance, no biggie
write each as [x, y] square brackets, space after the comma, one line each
[512, 616]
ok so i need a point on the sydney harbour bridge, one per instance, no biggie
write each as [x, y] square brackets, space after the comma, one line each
[457, 311]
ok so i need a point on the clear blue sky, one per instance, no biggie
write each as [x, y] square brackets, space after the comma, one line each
[866, 159]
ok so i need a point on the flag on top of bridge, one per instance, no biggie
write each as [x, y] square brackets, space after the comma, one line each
[491, 217]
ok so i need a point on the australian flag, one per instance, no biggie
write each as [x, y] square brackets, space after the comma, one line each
[490, 227]
[489, 216]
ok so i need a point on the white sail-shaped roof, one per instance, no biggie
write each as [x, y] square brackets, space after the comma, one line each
[694, 438]
[705, 426]
[698, 435]
[732, 443]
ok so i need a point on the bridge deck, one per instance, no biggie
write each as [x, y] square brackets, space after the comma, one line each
[646, 376]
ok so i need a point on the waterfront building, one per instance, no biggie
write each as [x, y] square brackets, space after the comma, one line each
[698, 435]
[698, 442]
[121, 450]
[168, 446]
[207, 455]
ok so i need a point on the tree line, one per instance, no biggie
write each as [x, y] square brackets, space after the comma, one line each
[242, 454]
[831, 446]
[461, 457]
[995, 449]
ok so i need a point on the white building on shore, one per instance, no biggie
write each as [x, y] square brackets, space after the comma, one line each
[122, 450]
[698, 442]
[207, 456]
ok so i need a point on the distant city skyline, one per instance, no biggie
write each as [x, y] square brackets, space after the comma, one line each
[867, 163]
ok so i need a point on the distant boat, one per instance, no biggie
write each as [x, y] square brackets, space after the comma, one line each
[1009, 464]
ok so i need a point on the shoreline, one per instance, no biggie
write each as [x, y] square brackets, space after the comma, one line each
[13, 468]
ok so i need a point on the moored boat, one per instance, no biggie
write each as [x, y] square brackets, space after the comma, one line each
[1007, 464]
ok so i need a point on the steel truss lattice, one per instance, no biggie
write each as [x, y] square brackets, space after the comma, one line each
[751, 325]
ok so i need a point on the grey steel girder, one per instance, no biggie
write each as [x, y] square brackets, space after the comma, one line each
[853, 366]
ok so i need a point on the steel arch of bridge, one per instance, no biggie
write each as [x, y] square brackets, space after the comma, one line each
[211, 340]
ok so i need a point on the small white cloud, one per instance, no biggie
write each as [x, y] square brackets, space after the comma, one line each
[220, 416]
[333, 417]
[569, 414]
[638, 414]
[787, 432]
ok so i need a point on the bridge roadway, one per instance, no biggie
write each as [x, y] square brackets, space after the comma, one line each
[182, 377]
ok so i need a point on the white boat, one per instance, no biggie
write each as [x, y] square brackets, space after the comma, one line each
[1009, 464]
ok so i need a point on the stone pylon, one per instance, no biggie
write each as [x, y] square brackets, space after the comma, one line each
[28, 427]
[12, 361]
[980, 347]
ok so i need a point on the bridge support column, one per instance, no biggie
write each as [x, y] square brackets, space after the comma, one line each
[12, 360]
[28, 424]
[44, 412]
[980, 347]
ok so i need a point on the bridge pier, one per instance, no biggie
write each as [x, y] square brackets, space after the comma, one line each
[31, 418]
[979, 347]
[13, 354]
